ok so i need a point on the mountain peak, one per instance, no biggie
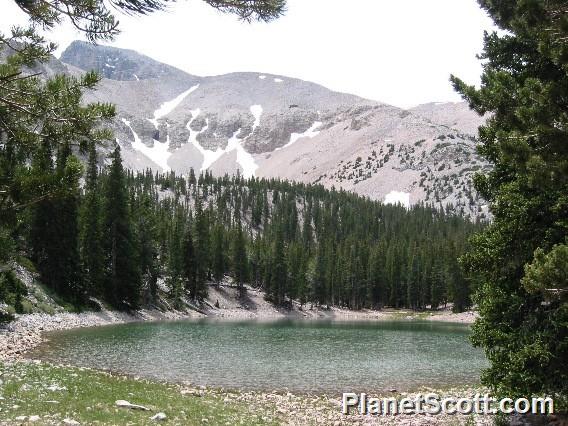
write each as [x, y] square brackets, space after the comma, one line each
[116, 63]
[273, 126]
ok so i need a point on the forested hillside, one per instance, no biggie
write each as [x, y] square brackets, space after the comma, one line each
[120, 236]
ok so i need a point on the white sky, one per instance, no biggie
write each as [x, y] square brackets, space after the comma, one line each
[400, 52]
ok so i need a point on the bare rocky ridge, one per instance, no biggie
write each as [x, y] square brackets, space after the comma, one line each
[455, 115]
[273, 126]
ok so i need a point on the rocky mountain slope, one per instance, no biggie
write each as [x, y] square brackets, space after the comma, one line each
[274, 126]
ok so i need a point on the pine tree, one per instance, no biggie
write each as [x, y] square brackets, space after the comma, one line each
[91, 217]
[239, 259]
[376, 278]
[412, 282]
[189, 264]
[42, 231]
[191, 180]
[148, 250]
[318, 280]
[202, 251]
[256, 217]
[279, 270]
[122, 277]
[524, 91]
[66, 259]
[175, 260]
[219, 257]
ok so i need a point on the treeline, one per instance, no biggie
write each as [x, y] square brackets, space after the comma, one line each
[123, 236]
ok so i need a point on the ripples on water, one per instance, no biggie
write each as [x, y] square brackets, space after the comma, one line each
[308, 356]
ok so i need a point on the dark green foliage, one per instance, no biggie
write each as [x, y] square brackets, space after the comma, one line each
[202, 252]
[91, 237]
[122, 275]
[40, 204]
[54, 232]
[96, 20]
[249, 10]
[11, 292]
[292, 240]
[219, 255]
[189, 262]
[239, 258]
[345, 250]
[40, 118]
[515, 262]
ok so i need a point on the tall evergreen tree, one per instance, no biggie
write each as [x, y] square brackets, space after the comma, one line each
[218, 253]
[66, 259]
[122, 276]
[189, 264]
[42, 231]
[91, 220]
[524, 91]
[239, 259]
[202, 251]
[279, 270]
[147, 247]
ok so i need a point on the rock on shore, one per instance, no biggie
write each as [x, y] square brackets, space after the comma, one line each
[25, 332]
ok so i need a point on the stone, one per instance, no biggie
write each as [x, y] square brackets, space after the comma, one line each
[33, 418]
[70, 422]
[159, 417]
[56, 387]
[125, 404]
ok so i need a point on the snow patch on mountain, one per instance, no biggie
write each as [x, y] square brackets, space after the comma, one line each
[209, 156]
[396, 197]
[169, 106]
[310, 133]
[278, 80]
[159, 153]
[262, 77]
[256, 111]
[244, 159]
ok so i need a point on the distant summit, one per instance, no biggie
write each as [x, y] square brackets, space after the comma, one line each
[266, 125]
[117, 64]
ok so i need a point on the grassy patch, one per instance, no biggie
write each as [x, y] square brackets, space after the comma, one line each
[55, 393]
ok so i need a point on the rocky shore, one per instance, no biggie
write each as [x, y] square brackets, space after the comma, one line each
[299, 410]
[223, 302]
[25, 333]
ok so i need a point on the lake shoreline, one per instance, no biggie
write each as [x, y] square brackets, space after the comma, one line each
[91, 399]
[27, 331]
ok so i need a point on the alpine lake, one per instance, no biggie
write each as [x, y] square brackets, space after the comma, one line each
[283, 355]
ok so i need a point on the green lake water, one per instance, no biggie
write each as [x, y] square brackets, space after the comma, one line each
[301, 356]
